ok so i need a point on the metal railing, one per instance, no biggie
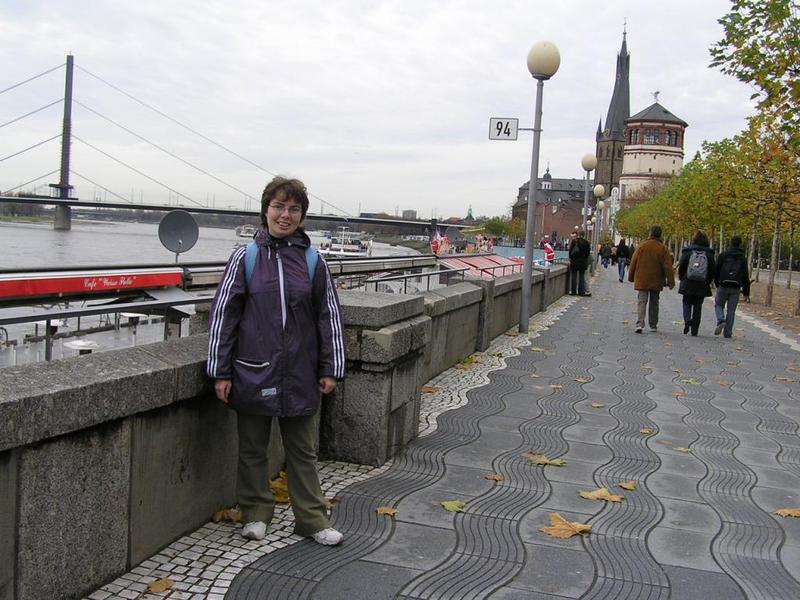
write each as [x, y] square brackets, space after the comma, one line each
[447, 274]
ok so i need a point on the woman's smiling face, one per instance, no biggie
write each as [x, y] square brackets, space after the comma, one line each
[283, 216]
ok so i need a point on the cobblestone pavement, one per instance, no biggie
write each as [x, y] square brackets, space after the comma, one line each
[706, 427]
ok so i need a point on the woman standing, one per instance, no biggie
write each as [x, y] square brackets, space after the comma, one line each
[696, 271]
[275, 346]
[623, 257]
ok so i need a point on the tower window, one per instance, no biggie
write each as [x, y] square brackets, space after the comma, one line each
[634, 136]
[650, 136]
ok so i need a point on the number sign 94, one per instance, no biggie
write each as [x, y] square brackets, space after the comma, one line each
[503, 129]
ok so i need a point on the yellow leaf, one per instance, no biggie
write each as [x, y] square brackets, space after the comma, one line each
[541, 459]
[676, 370]
[788, 512]
[598, 405]
[724, 383]
[536, 349]
[280, 488]
[667, 343]
[682, 449]
[453, 505]
[646, 430]
[230, 515]
[625, 322]
[387, 510]
[680, 394]
[563, 529]
[583, 379]
[159, 585]
[795, 369]
[430, 389]
[511, 334]
[787, 379]
[535, 376]
[602, 494]
[628, 485]
[331, 502]
[493, 477]
[690, 381]
[732, 363]
[556, 386]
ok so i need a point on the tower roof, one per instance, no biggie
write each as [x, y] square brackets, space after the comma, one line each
[656, 112]
[620, 106]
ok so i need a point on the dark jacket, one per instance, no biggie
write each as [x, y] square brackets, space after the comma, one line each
[579, 251]
[690, 287]
[277, 334]
[651, 266]
[744, 278]
[623, 252]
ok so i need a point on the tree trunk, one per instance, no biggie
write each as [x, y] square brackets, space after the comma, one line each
[773, 256]
[752, 253]
[791, 257]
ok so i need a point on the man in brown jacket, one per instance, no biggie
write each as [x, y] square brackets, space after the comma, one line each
[651, 268]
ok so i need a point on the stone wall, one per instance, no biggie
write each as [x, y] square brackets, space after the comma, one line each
[107, 458]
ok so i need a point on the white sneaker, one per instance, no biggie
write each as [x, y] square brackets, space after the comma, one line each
[328, 537]
[255, 530]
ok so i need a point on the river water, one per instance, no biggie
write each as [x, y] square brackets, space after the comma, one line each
[98, 243]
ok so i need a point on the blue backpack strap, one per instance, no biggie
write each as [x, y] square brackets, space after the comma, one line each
[250, 256]
[251, 253]
[312, 256]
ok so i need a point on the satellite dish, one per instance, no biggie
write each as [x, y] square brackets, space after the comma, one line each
[178, 231]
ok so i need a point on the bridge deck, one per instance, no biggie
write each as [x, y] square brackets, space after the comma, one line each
[706, 427]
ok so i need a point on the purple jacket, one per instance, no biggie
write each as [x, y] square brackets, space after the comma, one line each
[278, 335]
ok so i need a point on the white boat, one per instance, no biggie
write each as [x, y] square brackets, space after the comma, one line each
[246, 231]
[344, 243]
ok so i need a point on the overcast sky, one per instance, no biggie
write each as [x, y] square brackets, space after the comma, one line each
[376, 105]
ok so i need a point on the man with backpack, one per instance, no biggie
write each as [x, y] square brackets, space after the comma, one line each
[732, 277]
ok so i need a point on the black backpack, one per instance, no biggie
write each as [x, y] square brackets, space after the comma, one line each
[730, 272]
[697, 269]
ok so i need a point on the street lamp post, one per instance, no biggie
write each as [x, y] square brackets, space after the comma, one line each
[543, 62]
[588, 162]
[598, 191]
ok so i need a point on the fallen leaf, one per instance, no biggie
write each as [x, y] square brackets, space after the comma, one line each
[230, 515]
[331, 502]
[583, 379]
[725, 383]
[493, 477]
[160, 585]
[387, 510]
[674, 370]
[787, 379]
[535, 376]
[680, 394]
[601, 494]
[280, 488]
[563, 529]
[677, 322]
[788, 512]
[739, 349]
[682, 449]
[732, 363]
[556, 386]
[541, 459]
[453, 505]
[667, 343]
[690, 381]
[628, 485]
[625, 322]
[511, 334]
[536, 349]
[595, 333]
[430, 389]
[795, 369]
[466, 363]
[646, 430]
[598, 405]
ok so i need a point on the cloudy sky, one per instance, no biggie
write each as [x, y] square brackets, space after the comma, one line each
[376, 105]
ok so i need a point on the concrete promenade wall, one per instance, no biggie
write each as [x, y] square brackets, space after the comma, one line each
[107, 458]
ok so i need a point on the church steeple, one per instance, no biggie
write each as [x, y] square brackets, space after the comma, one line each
[619, 108]
[599, 135]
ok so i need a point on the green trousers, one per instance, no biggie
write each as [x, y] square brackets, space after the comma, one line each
[255, 495]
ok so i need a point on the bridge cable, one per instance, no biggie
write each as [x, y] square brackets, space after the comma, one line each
[30, 147]
[165, 151]
[53, 172]
[33, 112]
[102, 187]
[16, 85]
[135, 170]
[197, 133]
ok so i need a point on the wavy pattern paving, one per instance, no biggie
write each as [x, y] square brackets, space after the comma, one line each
[748, 543]
[489, 551]
[295, 571]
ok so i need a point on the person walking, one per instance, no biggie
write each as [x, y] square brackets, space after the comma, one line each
[731, 277]
[651, 267]
[275, 346]
[579, 251]
[549, 253]
[696, 271]
[605, 254]
[623, 256]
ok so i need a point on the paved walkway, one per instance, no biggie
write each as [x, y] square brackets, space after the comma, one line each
[723, 455]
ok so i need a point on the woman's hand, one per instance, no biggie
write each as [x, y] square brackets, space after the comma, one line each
[222, 387]
[327, 385]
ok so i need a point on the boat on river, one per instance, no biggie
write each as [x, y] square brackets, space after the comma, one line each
[345, 243]
[246, 231]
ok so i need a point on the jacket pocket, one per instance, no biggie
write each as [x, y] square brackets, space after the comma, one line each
[254, 388]
[253, 364]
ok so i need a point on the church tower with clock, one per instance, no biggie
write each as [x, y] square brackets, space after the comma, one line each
[610, 137]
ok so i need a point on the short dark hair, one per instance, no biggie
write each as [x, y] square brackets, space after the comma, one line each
[293, 189]
[655, 232]
[700, 238]
[580, 233]
[736, 241]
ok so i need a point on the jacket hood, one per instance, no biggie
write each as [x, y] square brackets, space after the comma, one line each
[298, 238]
[691, 247]
[733, 250]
